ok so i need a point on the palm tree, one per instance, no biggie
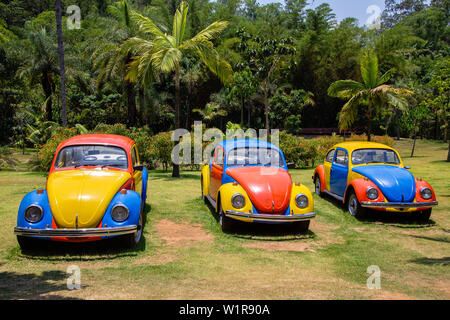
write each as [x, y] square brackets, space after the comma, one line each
[109, 59]
[62, 72]
[373, 93]
[211, 112]
[163, 53]
[41, 58]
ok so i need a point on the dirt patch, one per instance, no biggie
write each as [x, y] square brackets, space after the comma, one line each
[280, 246]
[182, 235]
[156, 260]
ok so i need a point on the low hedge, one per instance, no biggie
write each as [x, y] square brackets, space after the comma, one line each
[155, 150]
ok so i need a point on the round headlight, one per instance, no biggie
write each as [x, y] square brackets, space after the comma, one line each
[426, 193]
[238, 201]
[33, 213]
[120, 213]
[372, 193]
[301, 201]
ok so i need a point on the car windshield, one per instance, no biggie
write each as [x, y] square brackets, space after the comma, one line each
[255, 156]
[92, 155]
[363, 156]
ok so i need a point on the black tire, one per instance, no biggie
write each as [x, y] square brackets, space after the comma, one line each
[203, 197]
[354, 207]
[27, 243]
[424, 215]
[302, 226]
[226, 224]
[131, 240]
[318, 186]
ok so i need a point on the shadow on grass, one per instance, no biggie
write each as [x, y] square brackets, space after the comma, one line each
[445, 240]
[106, 249]
[264, 231]
[445, 261]
[31, 286]
[397, 219]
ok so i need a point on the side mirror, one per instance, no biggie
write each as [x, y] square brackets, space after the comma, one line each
[407, 167]
[138, 167]
[291, 165]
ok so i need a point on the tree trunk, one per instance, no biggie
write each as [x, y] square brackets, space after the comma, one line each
[242, 112]
[47, 87]
[176, 167]
[266, 108]
[369, 122]
[249, 114]
[131, 101]
[414, 143]
[398, 125]
[62, 70]
[448, 155]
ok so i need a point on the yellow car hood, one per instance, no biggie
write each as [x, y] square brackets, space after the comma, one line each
[82, 193]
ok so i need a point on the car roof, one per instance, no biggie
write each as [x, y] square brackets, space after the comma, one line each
[249, 143]
[99, 139]
[354, 145]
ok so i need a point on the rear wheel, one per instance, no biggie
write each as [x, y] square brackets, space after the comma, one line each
[354, 207]
[424, 215]
[226, 224]
[302, 227]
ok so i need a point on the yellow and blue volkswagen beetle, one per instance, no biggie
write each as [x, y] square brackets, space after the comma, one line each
[372, 175]
[248, 180]
[96, 189]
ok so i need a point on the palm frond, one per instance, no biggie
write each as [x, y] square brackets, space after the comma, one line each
[345, 88]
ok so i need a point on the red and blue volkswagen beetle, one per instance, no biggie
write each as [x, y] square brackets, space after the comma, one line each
[368, 175]
[248, 180]
[96, 189]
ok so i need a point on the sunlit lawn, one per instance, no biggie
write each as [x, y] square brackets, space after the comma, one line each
[186, 256]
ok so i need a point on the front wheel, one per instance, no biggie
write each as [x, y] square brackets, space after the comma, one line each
[302, 227]
[132, 239]
[354, 207]
[318, 186]
[424, 215]
[226, 223]
[201, 183]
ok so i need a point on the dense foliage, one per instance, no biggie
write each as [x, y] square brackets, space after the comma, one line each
[158, 65]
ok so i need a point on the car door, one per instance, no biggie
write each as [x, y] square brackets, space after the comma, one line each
[137, 174]
[216, 172]
[327, 167]
[339, 172]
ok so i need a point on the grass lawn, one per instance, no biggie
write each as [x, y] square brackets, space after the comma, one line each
[185, 255]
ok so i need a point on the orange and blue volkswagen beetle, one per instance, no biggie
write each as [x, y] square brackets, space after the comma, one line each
[96, 189]
[372, 175]
[248, 180]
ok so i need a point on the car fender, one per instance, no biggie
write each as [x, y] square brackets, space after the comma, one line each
[226, 192]
[423, 184]
[131, 200]
[360, 187]
[298, 188]
[39, 198]
[144, 185]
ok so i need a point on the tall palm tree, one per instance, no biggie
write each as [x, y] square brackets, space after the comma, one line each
[163, 53]
[107, 57]
[373, 93]
[41, 60]
[62, 71]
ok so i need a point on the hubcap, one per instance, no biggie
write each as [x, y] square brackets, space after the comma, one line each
[317, 186]
[352, 205]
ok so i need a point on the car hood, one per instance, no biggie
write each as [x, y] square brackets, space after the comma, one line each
[268, 188]
[397, 184]
[82, 193]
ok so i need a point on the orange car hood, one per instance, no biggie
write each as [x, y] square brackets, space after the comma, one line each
[269, 188]
[82, 193]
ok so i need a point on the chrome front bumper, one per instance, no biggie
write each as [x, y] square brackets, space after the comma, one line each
[75, 233]
[270, 217]
[398, 205]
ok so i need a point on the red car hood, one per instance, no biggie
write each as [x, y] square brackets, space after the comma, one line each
[269, 188]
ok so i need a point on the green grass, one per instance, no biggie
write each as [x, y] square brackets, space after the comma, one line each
[186, 256]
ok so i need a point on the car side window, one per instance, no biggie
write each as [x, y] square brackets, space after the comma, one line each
[341, 157]
[218, 157]
[330, 155]
[133, 156]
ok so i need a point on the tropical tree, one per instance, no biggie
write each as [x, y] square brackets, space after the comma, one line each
[62, 71]
[373, 93]
[244, 87]
[41, 60]
[162, 54]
